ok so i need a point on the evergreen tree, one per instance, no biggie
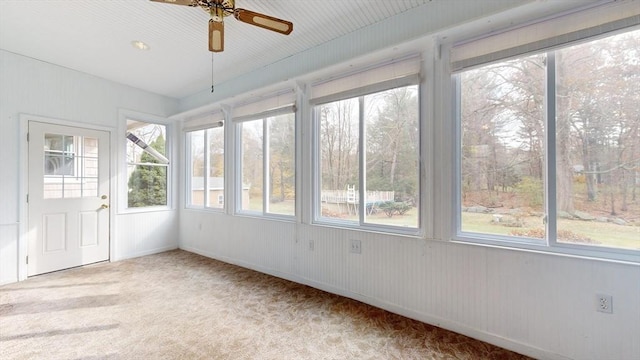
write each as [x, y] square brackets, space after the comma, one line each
[148, 183]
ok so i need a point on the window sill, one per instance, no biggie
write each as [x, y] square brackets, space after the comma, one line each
[385, 230]
[628, 257]
[149, 209]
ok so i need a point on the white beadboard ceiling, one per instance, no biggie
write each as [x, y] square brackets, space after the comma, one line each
[94, 37]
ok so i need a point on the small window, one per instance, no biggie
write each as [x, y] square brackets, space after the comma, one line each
[206, 162]
[267, 159]
[147, 164]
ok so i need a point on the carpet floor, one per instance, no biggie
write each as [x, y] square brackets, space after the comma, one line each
[179, 305]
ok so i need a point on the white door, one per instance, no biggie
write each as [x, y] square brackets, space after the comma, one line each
[68, 197]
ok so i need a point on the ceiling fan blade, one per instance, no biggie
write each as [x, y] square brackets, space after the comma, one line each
[264, 21]
[216, 36]
[179, 2]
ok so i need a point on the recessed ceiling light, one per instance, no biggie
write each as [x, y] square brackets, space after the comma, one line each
[140, 45]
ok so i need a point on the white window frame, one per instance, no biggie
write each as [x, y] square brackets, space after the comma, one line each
[410, 76]
[124, 116]
[189, 165]
[263, 117]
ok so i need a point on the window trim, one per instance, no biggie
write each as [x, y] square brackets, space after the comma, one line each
[359, 94]
[189, 166]
[588, 22]
[170, 149]
[263, 116]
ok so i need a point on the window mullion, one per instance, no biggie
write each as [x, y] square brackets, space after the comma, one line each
[550, 183]
[207, 169]
[265, 167]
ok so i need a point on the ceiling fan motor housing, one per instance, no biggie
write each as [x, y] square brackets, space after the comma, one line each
[217, 8]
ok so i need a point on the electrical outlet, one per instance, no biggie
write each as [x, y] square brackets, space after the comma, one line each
[604, 303]
[356, 247]
[312, 245]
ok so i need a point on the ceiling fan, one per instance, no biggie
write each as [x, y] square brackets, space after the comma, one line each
[218, 9]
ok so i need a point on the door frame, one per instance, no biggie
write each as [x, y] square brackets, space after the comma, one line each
[23, 183]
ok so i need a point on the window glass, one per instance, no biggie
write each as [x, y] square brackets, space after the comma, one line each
[392, 157]
[282, 166]
[339, 160]
[196, 142]
[252, 165]
[147, 164]
[598, 142]
[502, 154]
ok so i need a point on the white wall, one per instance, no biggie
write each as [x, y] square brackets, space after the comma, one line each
[33, 87]
[539, 304]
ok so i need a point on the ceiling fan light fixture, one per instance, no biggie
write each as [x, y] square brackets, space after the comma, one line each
[140, 45]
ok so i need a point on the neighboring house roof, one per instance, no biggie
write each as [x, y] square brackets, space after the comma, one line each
[215, 183]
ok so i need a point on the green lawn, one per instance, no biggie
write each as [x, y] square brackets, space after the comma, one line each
[602, 234]
[607, 234]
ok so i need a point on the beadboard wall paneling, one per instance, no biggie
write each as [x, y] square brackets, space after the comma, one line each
[145, 233]
[8, 253]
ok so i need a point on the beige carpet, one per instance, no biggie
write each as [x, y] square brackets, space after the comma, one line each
[179, 305]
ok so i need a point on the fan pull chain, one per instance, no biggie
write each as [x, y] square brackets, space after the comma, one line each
[212, 73]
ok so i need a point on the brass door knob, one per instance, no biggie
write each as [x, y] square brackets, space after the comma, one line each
[104, 206]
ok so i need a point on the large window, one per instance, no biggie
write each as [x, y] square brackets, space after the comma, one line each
[368, 159]
[206, 164]
[147, 164]
[267, 165]
[550, 146]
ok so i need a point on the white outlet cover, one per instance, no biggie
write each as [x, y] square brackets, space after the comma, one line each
[604, 303]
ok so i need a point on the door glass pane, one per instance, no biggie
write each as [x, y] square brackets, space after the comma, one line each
[598, 142]
[70, 166]
[392, 157]
[58, 154]
[339, 163]
[90, 187]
